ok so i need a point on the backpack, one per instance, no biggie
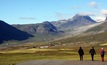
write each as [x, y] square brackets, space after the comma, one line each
[92, 51]
[102, 52]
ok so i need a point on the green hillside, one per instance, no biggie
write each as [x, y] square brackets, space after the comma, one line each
[101, 27]
[84, 40]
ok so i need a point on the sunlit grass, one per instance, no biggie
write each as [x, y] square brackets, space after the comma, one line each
[16, 58]
[105, 44]
[32, 50]
[20, 55]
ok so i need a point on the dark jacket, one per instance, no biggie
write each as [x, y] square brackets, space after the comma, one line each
[81, 52]
[92, 51]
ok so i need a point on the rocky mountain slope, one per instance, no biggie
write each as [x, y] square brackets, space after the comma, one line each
[8, 32]
[75, 22]
[98, 29]
[43, 28]
[60, 29]
[95, 34]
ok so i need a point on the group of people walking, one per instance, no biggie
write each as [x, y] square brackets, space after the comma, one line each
[92, 52]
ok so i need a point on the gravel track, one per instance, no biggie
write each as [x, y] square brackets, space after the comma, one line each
[62, 62]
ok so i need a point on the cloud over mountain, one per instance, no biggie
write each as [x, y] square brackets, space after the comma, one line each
[86, 14]
[93, 4]
[104, 11]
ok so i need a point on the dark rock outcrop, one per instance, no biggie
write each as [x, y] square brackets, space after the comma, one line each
[8, 32]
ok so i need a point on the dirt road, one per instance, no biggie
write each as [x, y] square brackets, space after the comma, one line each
[62, 62]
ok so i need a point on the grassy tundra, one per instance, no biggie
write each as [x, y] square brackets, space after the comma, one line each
[15, 55]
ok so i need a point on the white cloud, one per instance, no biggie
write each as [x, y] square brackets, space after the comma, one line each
[93, 4]
[86, 13]
[101, 15]
[99, 18]
[104, 11]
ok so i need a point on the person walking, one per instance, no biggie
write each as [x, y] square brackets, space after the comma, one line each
[102, 52]
[92, 52]
[81, 53]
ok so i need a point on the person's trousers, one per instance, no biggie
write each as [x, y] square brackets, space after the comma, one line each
[92, 56]
[81, 57]
[102, 59]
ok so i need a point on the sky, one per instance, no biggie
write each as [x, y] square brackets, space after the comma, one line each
[38, 11]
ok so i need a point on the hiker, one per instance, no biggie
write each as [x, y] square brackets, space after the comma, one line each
[92, 52]
[81, 53]
[102, 52]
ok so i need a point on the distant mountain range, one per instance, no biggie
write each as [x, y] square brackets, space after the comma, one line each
[56, 27]
[8, 32]
[95, 34]
[75, 22]
[42, 28]
[50, 30]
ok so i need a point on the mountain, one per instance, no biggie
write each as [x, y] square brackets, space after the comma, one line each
[8, 32]
[83, 20]
[81, 30]
[88, 40]
[98, 29]
[42, 28]
[55, 27]
[76, 21]
[46, 27]
[42, 31]
[60, 28]
[92, 35]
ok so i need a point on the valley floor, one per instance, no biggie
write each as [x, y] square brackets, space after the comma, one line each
[49, 56]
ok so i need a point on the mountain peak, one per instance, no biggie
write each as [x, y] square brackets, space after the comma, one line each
[46, 22]
[80, 16]
[46, 27]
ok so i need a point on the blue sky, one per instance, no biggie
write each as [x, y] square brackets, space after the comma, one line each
[37, 11]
